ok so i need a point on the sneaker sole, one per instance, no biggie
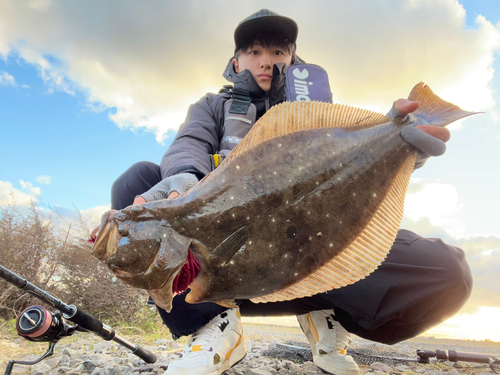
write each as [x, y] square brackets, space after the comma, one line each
[327, 368]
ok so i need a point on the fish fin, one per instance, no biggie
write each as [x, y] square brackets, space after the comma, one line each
[199, 287]
[197, 295]
[294, 117]
[434, 110]
[229, 247]
[364, 254]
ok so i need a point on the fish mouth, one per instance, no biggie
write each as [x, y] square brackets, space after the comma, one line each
[180, 282]
[105, 244]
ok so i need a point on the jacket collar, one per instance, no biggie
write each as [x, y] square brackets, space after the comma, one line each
[245, 81]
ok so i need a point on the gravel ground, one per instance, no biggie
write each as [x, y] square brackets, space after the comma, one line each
[269, 352]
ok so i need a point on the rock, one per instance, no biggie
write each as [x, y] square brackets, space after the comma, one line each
[383, 368]
[20, 369]
[288, 365]
[62, 370]
[68, 352]
[86, 367]
[163, 342]
[119, 360]
[403, 368]
[256, 371]
[453, 372]
[433, 372]
[52, 362]
[76, 345]
[103, 347]
[40, 369]
[269, 368]
[30, 358]
[64, 360]
[238, 371]
[309, 366]
[142, 369]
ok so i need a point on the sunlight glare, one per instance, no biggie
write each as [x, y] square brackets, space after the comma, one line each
[483, 324]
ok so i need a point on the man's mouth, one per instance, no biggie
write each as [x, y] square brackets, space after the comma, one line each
[265, 76]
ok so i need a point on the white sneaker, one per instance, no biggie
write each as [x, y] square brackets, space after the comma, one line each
[329, 342]
[214, 348]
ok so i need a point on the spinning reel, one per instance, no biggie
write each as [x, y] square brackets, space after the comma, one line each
[38, 324]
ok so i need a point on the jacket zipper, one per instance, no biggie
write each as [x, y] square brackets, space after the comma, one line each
[267, 101]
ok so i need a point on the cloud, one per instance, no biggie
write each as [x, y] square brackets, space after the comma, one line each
[8, 194]
[6, 79]
[81, 222]
[150, 62]
[94, 214]
[483, 254]
[43, 179]
[435, 201]
[30, 188]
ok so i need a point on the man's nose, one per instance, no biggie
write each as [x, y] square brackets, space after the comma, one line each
[266, 61]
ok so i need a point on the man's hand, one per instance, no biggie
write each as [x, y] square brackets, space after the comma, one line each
[173, 195]
[429, 140]
[168, 188]
[141, 200]
[404, 106]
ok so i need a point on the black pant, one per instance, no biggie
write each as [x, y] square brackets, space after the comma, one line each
[421, 283]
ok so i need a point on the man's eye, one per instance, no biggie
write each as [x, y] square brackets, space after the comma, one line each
[278, 52]
[254, 52]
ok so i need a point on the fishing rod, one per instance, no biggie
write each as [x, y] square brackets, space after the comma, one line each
[453, 356]
[38, 324]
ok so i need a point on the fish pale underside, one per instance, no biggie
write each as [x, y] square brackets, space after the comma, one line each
[309, 201]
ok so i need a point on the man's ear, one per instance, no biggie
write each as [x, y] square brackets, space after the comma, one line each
[236, 66]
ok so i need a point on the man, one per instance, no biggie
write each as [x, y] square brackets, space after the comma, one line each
[420, 284]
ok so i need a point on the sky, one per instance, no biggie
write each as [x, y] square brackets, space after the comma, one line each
[89, 88]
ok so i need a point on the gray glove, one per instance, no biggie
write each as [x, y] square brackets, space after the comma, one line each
[426, 144]
[179, 183]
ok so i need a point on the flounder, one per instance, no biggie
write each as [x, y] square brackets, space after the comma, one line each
[310, 200]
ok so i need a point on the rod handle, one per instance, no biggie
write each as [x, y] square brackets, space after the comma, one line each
[144, 354]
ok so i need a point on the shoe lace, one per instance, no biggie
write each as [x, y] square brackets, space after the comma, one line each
[205, 335]
[344, 339]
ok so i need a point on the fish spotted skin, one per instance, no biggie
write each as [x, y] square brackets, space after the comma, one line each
[273, 214]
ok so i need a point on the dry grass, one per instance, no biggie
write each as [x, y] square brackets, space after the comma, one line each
[55, 257]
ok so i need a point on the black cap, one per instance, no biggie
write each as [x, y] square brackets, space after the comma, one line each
[264, 22]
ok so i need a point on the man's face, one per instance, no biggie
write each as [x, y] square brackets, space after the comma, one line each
[260, 61]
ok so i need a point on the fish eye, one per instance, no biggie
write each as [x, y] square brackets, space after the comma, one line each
[123, 231]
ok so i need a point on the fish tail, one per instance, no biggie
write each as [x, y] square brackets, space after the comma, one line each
[433, 109]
